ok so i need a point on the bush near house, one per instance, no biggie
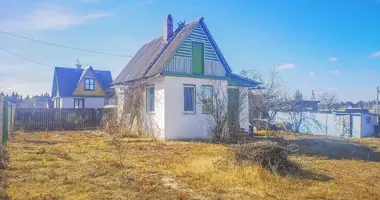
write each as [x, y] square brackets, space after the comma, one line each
[84, 165]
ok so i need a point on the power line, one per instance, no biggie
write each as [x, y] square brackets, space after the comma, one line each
[25, 78]
[23, 57]
[64, 46]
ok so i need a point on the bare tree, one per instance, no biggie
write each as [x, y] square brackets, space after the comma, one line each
[224, 107]
[269, 100]
[133, 119]
[329, 100]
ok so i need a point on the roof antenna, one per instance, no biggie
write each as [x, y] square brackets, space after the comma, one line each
[181, 24]
[79, 65]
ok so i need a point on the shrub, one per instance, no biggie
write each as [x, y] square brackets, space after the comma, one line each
[4, 158]
[268, 155]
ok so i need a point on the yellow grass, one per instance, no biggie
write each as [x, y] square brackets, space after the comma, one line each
[83, 165]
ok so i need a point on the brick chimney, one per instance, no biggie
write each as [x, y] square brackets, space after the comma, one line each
[168, 27]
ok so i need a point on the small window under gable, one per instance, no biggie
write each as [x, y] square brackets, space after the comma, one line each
[89, 84]
[198, 58]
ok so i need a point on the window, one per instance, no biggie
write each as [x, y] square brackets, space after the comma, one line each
[189, 98]
[89, 84]
[150, 99]
[207, 99]
[368, 120]
[197, 58]
[78, 103]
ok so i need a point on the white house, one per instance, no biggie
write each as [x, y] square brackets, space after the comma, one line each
[81, 88]
[176, 67]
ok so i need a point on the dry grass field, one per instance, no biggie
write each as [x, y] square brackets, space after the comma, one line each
[84, 165]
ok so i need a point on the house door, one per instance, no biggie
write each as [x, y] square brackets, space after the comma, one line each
[233, 107]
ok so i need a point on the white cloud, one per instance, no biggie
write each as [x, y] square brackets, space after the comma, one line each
[335, 72]
[375, 55]
[311, 73]
[285, 66]
[333, 59]
[49, 18]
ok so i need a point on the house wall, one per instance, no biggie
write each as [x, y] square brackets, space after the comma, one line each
[79, 91]
[180, 125]
[368, 129]
[244, 113]
[153, 124]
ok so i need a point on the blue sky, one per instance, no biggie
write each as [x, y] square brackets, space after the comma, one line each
[316, 45]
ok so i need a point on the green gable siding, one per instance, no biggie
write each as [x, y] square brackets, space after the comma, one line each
[197, 35]
[184, 61]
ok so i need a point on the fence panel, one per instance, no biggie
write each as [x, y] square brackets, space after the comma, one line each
[34, 119]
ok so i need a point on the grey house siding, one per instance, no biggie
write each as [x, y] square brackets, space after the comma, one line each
[181, 61]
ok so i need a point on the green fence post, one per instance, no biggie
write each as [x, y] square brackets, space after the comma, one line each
[5, 122]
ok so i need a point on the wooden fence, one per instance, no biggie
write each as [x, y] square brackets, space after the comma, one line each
[38, 119]
[7, 115]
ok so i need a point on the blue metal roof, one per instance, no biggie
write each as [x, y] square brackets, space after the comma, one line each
[66, 80]
[237, 80]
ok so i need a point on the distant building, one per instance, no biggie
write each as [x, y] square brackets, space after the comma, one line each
[36, 102]
[304, 105]
[81, 88]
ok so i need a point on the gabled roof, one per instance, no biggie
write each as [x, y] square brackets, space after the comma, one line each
[153, 56]
[66, 80]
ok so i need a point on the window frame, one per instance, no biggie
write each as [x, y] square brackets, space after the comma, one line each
[147, 100]
[194, 99]
[89, 84]
[77, 100]
[368, 120]
[203, 56]
[212, 98]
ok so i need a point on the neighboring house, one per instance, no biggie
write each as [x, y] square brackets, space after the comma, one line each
[177, 66]
[304, 105]
[81, 88]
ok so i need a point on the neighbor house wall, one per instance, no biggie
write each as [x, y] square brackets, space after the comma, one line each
[67, 102]
[93, 102]
[337, 125]
[368, 129]
[180, 125]
[356, 125]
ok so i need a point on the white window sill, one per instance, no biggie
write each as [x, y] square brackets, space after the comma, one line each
[189, 112]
